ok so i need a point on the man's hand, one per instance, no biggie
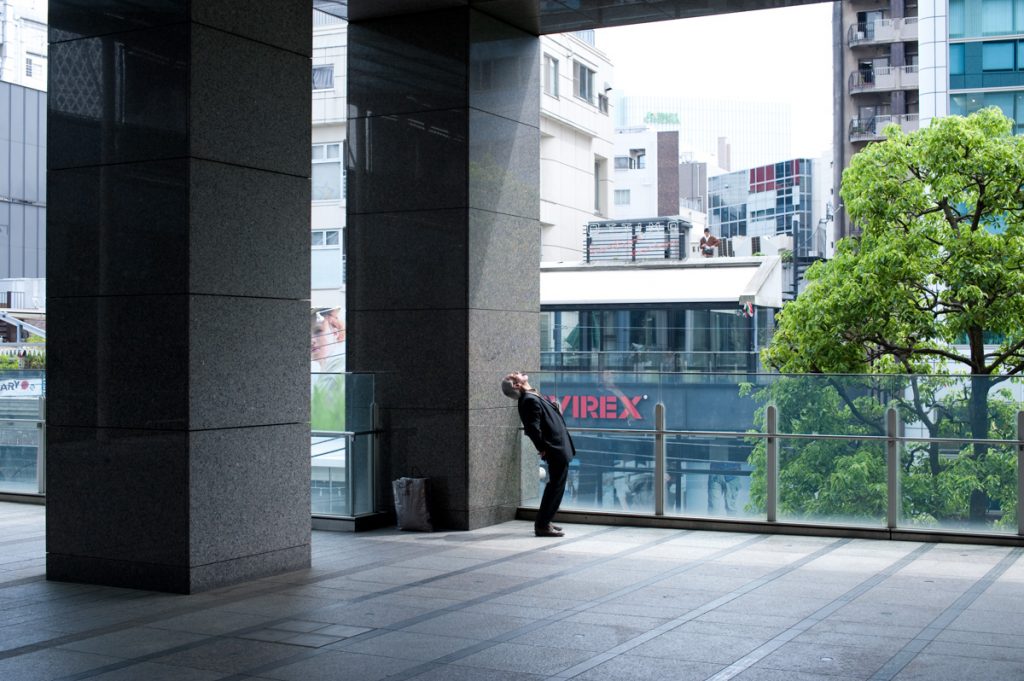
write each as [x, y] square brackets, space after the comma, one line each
[542, 454]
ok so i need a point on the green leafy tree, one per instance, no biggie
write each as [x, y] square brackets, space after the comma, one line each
[932, 285]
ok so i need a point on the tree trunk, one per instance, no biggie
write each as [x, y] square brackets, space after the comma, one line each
[978, 418]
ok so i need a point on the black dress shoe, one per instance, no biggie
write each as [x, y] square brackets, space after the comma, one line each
[549, 531]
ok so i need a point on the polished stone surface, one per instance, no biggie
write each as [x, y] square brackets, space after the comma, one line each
[433, 174]
[504, 165]
[119, 98]
[167, 520]
[498, 604]
[404, 65]
[443, 247]
[194, 362]
[245, 99]
[398, 249]
[178, 384]
[164, 227]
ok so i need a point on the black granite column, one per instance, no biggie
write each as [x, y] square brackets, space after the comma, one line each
[178, 261]
[444, 246]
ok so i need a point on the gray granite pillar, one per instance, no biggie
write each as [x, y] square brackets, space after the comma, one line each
[444, 246]
[178, 260]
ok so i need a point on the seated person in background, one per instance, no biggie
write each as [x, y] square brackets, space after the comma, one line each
[708, 243]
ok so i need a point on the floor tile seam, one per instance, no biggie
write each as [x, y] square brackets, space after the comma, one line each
[928, 633]
[204, 640]
[508, 636]
[269, 588]
[675, 623]
[483, 598]
[819, 615]
[22, 581]
[496, 561]
[23, 540]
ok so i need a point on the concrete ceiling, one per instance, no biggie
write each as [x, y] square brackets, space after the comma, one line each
[556, 16]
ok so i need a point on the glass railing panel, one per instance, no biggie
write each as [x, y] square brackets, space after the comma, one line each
[342, 444]
[20, 445]
[833, 405]
[21, 431]
[612, 472]
[359, 391]
[829, 481]
[958, 486]
[329, 489]
[363, 473]
[710, 477]
[327, 402]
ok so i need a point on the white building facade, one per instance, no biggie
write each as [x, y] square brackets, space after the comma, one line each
[575, 142]
[327, 214]
[23, 43]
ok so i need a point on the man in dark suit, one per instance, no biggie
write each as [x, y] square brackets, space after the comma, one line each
[544, 425]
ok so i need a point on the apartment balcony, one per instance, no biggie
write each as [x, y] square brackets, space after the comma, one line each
[882, 31]
[884, 79]
[872, 129]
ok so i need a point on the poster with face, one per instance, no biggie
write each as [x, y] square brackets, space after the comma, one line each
[327, 369]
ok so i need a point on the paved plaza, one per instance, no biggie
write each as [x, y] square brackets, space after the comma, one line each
[498, 604]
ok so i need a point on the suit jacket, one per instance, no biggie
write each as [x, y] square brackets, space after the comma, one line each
[545, 427]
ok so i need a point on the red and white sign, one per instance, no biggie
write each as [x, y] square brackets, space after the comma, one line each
[600, 407]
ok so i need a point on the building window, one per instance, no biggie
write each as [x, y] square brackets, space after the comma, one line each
[550, 75]
[323, 77]
[327, 175]
[997, 56]
[28, 67]
[956, 59]
[621, 197]
[996, 16]
[328, 259]
[602, 104]
[583, 82]
[600, 175]
[978, 18]
[638, 159]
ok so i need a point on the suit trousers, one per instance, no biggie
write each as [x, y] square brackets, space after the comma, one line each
[554, 490]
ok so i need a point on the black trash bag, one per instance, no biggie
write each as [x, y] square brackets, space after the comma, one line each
[411, 507]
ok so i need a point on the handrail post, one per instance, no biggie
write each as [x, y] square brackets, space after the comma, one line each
[1020, 470]
[41, 450]
[772, 464]
[892, 460]
[659, 459]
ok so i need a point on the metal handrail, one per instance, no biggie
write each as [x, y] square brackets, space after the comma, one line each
[892, 439]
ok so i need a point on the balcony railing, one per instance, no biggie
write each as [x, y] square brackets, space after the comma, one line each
[649, 360]
[901, 457]
[884, 79]
[902, 29]
[872, 129]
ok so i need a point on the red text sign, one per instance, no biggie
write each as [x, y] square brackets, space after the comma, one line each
[600, 407]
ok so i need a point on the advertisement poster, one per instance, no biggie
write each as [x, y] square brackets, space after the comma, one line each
[327, 369]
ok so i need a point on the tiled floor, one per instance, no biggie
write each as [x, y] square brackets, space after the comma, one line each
[604, 603]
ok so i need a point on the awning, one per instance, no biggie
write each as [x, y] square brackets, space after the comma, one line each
[729, 281]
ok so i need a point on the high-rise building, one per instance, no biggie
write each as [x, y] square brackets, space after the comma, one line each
[983, 64]
[756, 132]
[23, 59]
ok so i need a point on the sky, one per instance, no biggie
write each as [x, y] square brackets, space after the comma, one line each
[779, 55]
